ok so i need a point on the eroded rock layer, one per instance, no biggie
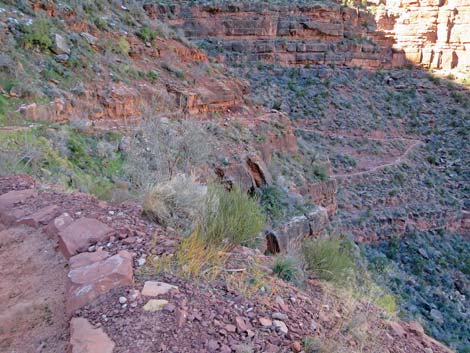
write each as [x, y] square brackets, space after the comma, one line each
[433, 33]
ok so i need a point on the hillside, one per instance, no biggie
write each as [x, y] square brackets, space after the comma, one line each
[188, 176]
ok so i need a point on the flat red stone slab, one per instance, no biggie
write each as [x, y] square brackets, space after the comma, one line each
[12, 198]
[92, 275]
[80, 234]
[9, 212]
[84, 338]
[41, 217]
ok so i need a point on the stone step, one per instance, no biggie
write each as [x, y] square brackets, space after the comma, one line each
[84, 338]
[93, 274]
[80, 234]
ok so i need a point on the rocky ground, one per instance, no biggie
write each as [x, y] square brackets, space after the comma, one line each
[115, 301]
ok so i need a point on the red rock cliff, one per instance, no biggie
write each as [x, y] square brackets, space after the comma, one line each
[433, 33]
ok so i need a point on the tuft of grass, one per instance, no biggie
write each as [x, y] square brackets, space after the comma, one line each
[329, 259]
[232, 217]
[123, 46]
[287, 268]
[193, 259]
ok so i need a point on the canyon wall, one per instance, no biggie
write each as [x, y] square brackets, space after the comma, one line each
[431, 33]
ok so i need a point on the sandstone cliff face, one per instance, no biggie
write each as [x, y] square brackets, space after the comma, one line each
[432, 33]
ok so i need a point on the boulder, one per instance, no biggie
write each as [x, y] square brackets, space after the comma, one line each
[92, 40]
[80, 234]
[60, 46]
[93, 274]
[289, 235]
[259, 171]
[84, 338]
[318, 221]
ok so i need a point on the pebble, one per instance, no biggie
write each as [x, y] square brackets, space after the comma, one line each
[134, 294]
[169, 308]
[265, 322]
[230, 328]
[281, 326]
[122, 300]
[141, 261]
[280, 316]
[296, 346]
[279, 300]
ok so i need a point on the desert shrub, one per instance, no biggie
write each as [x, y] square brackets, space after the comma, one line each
[153, 76]
[271, 200]
[146, 34]
[231, 217]
[287, 267]
[329, 259]
[177, 203]
[319, 171]
[162, 149]
[38, 33]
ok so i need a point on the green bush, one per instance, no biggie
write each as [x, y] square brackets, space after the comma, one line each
[329, 259]
[271, 201]
[320, 171]
[153, 76]
[287, 268]
[232, 217]
[38, 33]
[146, 34]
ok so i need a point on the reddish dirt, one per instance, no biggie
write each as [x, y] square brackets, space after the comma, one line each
[32, 298]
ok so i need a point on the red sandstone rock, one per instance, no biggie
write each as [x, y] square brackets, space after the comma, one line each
[92, 274]
[84, 338]
[41, 217]
[9, 213]
[58, 224]
[80, 234]
[397, 329]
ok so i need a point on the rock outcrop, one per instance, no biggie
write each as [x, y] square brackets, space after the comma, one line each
[394, 33]
[433, 33]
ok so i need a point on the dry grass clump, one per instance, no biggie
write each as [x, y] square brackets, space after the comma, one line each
[177, 203]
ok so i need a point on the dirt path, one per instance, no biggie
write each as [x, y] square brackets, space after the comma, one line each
[414, 143]
[33, 277]
[381, 166]
[355, 137]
